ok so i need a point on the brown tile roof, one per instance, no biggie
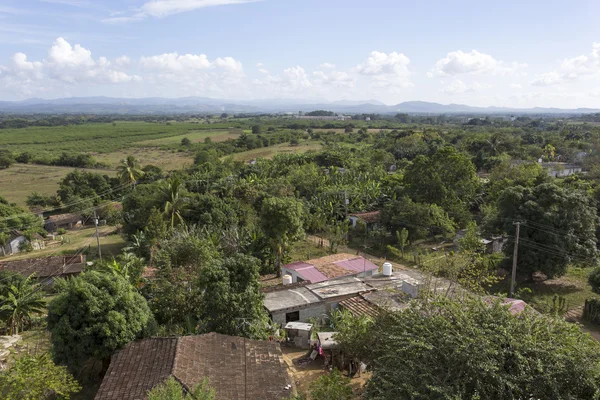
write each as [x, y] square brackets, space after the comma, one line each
[138, 368]
[369, 217]
[45, 267]
[237, 368]
[360, 306]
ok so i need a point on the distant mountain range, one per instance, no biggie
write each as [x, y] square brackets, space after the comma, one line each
[160, 105]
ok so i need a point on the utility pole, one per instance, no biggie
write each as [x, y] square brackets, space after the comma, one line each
[97, 235]
[346, 201]
[514, 267]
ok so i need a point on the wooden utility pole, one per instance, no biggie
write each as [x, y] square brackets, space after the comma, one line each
[97, 236]
[514, 267]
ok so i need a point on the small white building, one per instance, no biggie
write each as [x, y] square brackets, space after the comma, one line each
[16, 241]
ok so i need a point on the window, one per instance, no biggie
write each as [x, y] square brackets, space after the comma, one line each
[292, 316]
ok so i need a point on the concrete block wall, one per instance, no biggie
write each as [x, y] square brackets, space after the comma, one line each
[315, 311]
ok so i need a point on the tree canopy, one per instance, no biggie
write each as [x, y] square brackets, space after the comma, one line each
[93, 315]
[473, 348]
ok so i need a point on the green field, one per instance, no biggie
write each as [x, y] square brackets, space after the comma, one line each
[94, 137]
[269, 152]
[194, 136]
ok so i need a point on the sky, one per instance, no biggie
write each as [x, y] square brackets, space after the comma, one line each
[481, 53]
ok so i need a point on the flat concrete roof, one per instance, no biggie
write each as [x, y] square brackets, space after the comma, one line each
[338, 287]
[292, 298]
[301, 326]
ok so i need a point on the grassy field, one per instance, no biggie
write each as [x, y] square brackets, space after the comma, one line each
[194, 136]
[18, 181]
[269, 152]
[110, 242]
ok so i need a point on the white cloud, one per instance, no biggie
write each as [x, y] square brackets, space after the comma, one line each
[516, 86]
[123, 61]
[474, 62]
[64, 63]
[327, 66]
[333, 77]
[458, 87]
[571, 69]
[164, 8]
[189, 64]
[386, 69]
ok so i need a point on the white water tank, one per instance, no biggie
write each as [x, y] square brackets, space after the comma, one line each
[287, 279]
[387, 269]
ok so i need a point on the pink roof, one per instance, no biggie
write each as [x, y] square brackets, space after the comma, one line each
[297, 265]
[357, 265]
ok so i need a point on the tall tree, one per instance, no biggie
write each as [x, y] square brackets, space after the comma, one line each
[559, 228]
[175, 202]
[232, 303]
[474, 349]
[94, 315]
[129, 171]
[281, 220]
[447, 178]
[22, 299]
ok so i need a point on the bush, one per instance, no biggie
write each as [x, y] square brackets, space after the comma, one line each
[594, 280]
[332, 386]
[186, 142]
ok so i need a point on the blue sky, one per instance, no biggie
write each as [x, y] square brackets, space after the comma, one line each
[509, 53]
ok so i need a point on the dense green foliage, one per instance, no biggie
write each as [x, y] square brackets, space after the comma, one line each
[331, 386]
[20, 299]
[93, 315]
[36, 378]
[559, 227]
[467, 349]
[171, 389]
[231, 301]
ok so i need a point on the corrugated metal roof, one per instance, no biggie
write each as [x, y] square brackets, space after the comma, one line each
[360, 306]
[297, 265]
[357, 264]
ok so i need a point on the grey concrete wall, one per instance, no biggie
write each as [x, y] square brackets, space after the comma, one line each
[315, 311]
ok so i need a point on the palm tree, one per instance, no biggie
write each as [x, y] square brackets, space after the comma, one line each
[175, 203]
[129, 171]
[23, 299]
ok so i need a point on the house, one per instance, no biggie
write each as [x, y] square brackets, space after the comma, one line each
[329, 267]
[236, 368]
[370, 219]
[299, 333]
[37, 211]
[554, 169]
[313, 301]
[492, 245]
[47, 268]
[17, 239]
[65, 221]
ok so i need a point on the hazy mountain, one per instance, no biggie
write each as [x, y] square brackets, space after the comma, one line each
[152, 105]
